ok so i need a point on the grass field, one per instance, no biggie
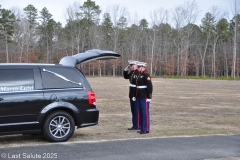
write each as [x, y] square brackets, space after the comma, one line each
[179, 107]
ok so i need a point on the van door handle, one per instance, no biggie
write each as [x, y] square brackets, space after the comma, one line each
[1, 99]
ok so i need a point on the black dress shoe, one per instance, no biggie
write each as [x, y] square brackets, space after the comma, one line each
[144, 132]
[132, 129]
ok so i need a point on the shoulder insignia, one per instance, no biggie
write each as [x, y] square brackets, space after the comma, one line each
[148, 78]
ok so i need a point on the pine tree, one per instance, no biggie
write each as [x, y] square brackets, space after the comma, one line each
[90, 13]
[6, 27]
[32, 16]
[107, 27]
[46, 28]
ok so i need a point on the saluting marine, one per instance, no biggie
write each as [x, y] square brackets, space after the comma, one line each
[131, 73]
[144, 90]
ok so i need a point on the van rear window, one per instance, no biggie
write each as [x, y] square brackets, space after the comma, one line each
[58, 78]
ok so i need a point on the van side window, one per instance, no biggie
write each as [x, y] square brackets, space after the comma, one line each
[58, 78]
[13, 80]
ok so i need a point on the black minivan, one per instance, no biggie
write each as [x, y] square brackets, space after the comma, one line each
[48, 99]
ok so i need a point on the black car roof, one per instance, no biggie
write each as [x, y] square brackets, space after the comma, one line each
[27, 64]
[32, 65]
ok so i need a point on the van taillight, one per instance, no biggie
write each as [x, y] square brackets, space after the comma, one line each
[91, 97]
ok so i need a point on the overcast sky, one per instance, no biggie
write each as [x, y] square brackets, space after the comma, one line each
[142, 8]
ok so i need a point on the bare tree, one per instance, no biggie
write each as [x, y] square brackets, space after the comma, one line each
[116, 13]
[178, 22]
[235, 12]
[74, 26]
[21, 38]
[20, 32]
[217, 14]
[157, 18]
[188, 13]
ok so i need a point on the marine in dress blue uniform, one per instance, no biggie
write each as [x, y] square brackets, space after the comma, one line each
[131, 73]
[144, 90]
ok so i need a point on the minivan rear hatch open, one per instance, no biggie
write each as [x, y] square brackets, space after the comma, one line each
[89, 55]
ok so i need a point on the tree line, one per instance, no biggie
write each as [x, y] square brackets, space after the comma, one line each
[170, 43]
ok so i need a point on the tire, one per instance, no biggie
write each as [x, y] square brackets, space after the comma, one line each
[59, 126]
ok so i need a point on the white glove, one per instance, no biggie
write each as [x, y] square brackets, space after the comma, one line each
[127, 68]
[148, 100]
[134, 98]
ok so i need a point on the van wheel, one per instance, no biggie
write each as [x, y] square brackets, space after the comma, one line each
[58, 126]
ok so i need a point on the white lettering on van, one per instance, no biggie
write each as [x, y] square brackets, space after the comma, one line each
[17, 88]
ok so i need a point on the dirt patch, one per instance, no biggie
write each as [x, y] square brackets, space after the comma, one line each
[179, 107]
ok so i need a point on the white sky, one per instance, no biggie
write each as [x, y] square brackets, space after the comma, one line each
[143, 8]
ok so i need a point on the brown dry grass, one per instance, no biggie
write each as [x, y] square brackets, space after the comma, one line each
[179, 107]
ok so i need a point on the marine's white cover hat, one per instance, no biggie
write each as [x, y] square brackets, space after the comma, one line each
[143, 64]
[132, 62]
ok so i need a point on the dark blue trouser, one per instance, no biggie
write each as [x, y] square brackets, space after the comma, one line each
[144, 114]
[135, 114]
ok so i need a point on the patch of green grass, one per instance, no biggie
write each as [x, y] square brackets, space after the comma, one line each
[152, 76]
[200, 77]
[227, 78]
[172, 76]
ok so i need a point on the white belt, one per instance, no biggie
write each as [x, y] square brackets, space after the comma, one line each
[132, 85]
[141, 86]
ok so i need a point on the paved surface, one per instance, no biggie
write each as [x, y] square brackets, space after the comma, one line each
[168, 148]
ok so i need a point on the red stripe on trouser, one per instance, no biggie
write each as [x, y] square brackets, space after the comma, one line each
[147, 119]
[138, 119]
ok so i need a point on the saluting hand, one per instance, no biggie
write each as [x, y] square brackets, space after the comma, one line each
[127, 68]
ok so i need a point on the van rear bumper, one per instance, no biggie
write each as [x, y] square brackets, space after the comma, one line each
[88, 118]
